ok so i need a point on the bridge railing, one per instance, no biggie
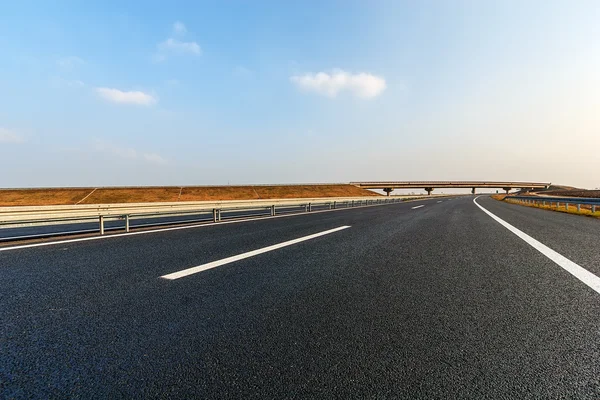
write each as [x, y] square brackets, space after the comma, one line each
[411, 184]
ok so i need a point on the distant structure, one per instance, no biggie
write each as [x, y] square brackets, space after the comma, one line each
[428, 186]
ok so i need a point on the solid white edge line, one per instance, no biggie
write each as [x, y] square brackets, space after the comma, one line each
[574, 269]
[414, 208]
[218, 263]
[203, 225]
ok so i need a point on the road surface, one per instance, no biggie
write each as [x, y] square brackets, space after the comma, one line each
[395, 301]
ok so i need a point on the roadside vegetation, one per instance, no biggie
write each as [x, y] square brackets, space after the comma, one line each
[574, 193]
[551, 206]
[71, 196]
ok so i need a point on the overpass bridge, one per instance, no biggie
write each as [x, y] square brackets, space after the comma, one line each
[389, 186]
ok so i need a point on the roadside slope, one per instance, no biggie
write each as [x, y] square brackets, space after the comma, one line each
[109, 195]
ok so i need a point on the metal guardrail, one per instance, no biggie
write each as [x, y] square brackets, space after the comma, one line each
[551, 201]
[44, 215]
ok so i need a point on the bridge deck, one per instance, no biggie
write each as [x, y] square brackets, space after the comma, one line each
[449, 184]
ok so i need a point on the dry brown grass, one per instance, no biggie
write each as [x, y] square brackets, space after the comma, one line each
[133, 195]
[498, 196]
[218, 193]
[584, 209]
[36, 197]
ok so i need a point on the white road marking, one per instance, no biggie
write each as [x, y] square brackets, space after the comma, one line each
[214, 264]
[414, 208]
[439, 201]
[574, 269]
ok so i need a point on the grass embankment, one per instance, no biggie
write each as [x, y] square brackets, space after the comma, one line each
[574, 193]
[70, 196]
[584, 209]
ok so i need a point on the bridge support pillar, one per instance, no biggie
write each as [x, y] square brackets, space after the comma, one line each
[506, 189]
[473, 191]
[429, 190]
[388, 190]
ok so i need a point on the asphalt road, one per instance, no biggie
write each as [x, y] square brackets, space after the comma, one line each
[440, 301]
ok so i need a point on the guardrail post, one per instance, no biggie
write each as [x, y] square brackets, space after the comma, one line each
[219, 215]
[578, 207]
[593, 209]
[567, 206]
[334, 205]
[352, 204]
[214, 215]
[127, 223]
[330, 205]
[272, 210]
[101, 225]
[309, 207]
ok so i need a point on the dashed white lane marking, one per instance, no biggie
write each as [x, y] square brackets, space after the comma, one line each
[576, 270]
[214, 264]
[439, 201]
[414, 208]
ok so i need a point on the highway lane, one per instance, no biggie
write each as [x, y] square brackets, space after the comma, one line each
[438, 301]
[574, 236]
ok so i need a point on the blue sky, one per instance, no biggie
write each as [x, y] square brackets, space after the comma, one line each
[183, 93]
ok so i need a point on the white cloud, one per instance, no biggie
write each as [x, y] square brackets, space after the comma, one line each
[176, 46]
[179, 28]
[242, 72]
[172, 83]
[58, 83]
[154, 158]
[363, 85]
[75, 83]
[121, 97]
[128, 153]
[69, 62]
[159, 57]
[8, 136]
